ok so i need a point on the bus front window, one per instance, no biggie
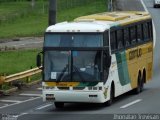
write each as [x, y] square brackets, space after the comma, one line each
[72, 66]
[56, 64]
[86, 66]
[74, 40]
[66, 63]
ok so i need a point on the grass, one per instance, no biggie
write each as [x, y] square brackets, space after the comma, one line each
[35, 23]
[9, 8]
[16, 61]
[21, 21]
[5, 86]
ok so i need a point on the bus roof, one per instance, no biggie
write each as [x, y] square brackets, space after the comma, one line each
[100, 22]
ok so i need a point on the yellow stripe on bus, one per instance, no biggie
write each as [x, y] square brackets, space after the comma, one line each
[62, 84]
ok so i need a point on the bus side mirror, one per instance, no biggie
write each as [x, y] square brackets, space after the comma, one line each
[39, 60]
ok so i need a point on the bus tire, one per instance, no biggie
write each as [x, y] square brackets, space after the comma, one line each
[142, 82]
[110, 102]
[139, 81]
[59, 104]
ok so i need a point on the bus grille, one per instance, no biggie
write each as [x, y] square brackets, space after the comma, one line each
[63, 88]
[78, 88]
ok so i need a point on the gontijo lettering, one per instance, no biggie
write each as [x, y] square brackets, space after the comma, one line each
[135, 53]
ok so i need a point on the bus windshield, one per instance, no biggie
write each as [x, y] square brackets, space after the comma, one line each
[76, 66]
[74, 40]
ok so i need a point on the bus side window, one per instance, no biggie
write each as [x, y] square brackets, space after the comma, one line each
[133, 35]
[126, 37]
[150, 30]
[145, 32]
[120, 39]
[113, 40]
[139, 33]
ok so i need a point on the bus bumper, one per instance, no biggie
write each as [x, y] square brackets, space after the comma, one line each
[74, 96]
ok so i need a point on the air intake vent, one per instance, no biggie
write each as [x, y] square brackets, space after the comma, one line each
[63, 88]
[78, 88]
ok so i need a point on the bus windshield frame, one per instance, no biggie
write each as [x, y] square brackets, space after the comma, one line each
[74, 52]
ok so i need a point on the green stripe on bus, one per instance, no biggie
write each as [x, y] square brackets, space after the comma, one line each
[86, 84]
[122, 68]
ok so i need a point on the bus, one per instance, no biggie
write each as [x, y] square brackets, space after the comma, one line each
[96, 58]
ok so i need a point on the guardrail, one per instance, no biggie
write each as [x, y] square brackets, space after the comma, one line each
[18, 76]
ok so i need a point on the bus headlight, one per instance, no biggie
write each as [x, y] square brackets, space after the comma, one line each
[92, 88]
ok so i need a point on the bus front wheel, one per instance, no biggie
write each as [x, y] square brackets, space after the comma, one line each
[110, 102]
[59, 104]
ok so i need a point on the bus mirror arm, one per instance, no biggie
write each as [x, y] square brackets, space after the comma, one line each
[39, 60]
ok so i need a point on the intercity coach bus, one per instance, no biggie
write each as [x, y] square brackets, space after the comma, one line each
[97, 57]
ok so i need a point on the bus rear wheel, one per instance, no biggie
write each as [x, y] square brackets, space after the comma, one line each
[59, 104]
[140, 84]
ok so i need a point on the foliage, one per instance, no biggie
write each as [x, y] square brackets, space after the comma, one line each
[16, 61]
[18, 18]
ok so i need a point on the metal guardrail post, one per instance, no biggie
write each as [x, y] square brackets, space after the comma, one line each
[2, 79]
[28, 79]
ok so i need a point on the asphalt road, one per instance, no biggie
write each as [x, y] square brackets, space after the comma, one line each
[32, 108]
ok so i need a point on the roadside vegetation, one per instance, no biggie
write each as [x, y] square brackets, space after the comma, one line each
[18, 18]
[12, 62]
[16, 61]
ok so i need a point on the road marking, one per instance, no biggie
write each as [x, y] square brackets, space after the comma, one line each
[42, 107]
[154, 34]
[31, 95]
[22, 114]
[129, 104]
[20, 102]
[11, 101]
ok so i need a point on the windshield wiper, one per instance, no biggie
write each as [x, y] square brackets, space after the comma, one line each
[79, 73]
[62, 73]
